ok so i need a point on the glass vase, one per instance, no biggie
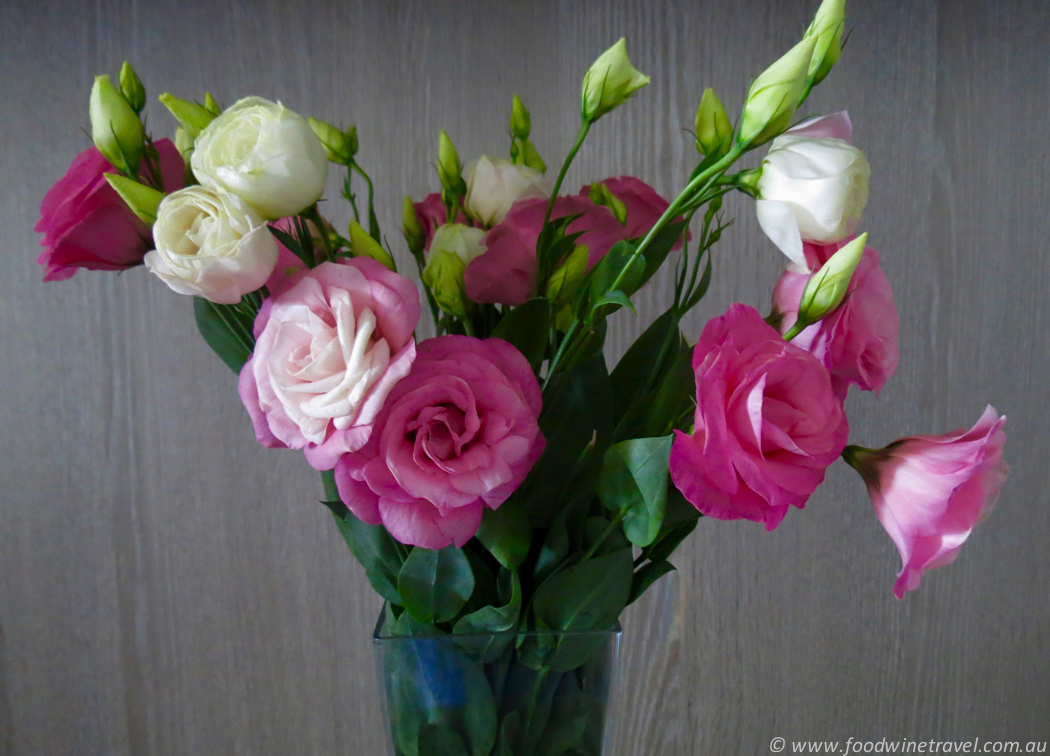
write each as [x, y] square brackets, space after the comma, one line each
[504, 694]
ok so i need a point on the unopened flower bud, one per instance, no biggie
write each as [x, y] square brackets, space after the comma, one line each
[520, 122]
[183, 143]
[363, 245]
[115, 127]
[410, 226]
[610, 81]
[523, 152]
[826, 288]
[714, 132]
[600, 195]
[335, 143]
[453, 248]
[774, 95]
[566, 279]
[143, 200]
[210, 105]
[449, 168]
[131, 88]
[193, 117]
[351, 140]
[826, 29]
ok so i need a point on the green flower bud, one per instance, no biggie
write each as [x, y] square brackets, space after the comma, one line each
[520, 122]
[142, 199]
[210, 105]
[610, 81]
[564, 281]
[714, 132]
[453, 247]
[336, 146]
[115, 127]
[131, 88]
[449, 168]
[363, 245]
[600, 195]
[351, 140]
[826, 29]
[827, 287]
[193, 117]
[523, 152]
[184, 143]
[774, 95]
[411, 227]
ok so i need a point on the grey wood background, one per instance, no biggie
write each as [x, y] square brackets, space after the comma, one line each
[169, 587]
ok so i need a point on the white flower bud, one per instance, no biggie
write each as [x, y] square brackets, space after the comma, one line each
[211, 245]
[494, 185]
[265, 154]
[610, 81]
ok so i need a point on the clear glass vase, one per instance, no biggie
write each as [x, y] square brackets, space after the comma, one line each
[504, 694]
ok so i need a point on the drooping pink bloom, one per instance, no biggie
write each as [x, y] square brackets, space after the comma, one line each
[930, 491]
[858, 343]
[767, 423]
[459, 434]
[506, 273]
[330, 345]
[87, 225]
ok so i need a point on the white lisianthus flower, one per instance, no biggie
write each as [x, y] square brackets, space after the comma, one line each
[813, 186]
[265, 154]
[493, 185]
[211, 245]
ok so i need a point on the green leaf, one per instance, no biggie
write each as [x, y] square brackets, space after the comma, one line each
[646, 576]
[526, 327]
[293, 246]
[489, 627]
[434, 585]
[586, 596]
[645, 359]
[226, 330]
[436, 740]
[615, 298]
[577, 423]
[595, 528]
[675, 394]
[680, 520]
[374, 548]
[634, 481]
[619, 260]
[506, 533]
[701, 287]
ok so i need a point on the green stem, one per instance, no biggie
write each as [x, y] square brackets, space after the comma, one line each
[544, 235]
[314, 216]
[331, 491]
[605, 534]
[795, 330]
[373, 221]
[561, 351]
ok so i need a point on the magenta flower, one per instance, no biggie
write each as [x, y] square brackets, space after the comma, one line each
[858, 342]
[459, 434]
[330, 345]
[506, 272]
[930, 491]
[87, 225]
[767, 423]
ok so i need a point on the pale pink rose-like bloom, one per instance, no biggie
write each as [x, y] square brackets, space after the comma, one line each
[767, 423]
[456, 436]
[87, 225]
[858, 342]
[930, 491]
[331, 343]
[506, 273]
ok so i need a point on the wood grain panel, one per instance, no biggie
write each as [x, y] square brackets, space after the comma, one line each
[168, 587]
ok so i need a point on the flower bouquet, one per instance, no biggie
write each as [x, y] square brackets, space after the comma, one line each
[507, 495]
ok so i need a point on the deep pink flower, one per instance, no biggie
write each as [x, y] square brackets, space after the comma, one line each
[330, 345]
[767, 423]
[506, 273]
[858, 342]
[930, 491]
[457, 435]
[86, 224]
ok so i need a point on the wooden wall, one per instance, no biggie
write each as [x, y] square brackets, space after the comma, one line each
[167, 586]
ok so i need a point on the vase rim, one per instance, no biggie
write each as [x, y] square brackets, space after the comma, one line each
[379, 637]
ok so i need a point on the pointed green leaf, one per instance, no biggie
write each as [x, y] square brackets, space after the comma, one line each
[634, 481]
[586, 596]
[227, 330]
[434, 585]
[527, 328]
[646, 576]
[506, 533]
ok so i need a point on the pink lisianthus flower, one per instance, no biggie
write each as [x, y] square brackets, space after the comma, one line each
[858, 342]
[930, 491]
[331, 343]
[767, 423]
[506, 273]
[87, 225]
[459, 434]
